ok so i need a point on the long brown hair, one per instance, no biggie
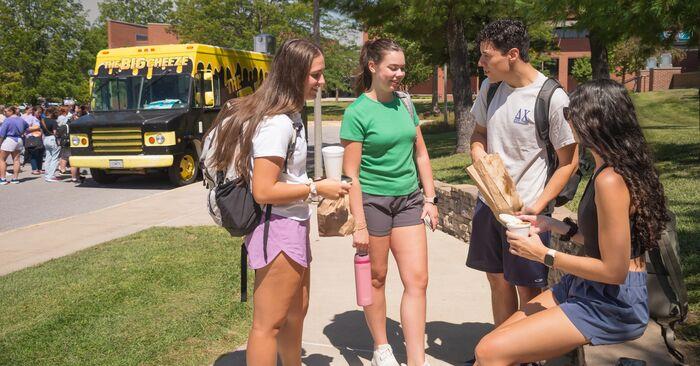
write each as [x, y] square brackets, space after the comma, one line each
[374, 51]
[281, 93]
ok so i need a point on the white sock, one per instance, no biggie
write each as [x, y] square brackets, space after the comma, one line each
[383, 347]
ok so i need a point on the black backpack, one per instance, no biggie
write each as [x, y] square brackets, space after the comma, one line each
[544, 98]
[232, 205]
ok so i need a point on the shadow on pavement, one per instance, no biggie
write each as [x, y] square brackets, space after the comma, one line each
[150, 181]
[451, 343]
[237, 358]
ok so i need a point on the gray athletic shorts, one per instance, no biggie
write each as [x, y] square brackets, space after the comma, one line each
[383, 213]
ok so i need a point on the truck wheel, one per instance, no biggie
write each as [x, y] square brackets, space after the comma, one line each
[101, 177]
[184, 169]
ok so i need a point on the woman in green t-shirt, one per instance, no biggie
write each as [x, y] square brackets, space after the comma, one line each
[386, 154]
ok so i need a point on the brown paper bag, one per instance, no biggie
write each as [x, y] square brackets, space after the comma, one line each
[495, 185]
[334, 217]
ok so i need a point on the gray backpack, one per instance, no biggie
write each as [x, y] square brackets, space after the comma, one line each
[668, 297]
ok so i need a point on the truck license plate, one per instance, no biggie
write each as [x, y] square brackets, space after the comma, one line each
[116, 164]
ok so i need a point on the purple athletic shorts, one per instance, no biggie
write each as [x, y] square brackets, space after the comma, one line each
[284, 235]
[488, 251]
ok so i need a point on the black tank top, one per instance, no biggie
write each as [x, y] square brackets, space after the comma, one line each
[588, 221]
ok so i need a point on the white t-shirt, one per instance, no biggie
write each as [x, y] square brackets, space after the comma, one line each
[511, 132]
[273, 138]
[62, 120]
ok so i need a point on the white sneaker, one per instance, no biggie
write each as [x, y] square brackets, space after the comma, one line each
[384, 356]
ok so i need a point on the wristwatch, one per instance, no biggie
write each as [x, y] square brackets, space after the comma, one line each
[549, 258]
[313, 193]
[573, 229]
[433, 200]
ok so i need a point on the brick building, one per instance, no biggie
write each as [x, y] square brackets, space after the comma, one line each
[123, 34]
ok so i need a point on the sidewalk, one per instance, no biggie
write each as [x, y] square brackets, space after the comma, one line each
[458, 312]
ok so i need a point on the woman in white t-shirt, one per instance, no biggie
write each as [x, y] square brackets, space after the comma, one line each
[263, 134]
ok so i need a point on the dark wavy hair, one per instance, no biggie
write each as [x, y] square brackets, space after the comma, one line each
[373, 50]
[602, 115]
[506, 34]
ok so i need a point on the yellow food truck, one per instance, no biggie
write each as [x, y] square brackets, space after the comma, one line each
[151, 106]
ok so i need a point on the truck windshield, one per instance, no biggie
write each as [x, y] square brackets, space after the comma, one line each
[162, 91]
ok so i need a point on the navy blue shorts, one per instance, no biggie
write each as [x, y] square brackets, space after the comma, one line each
[603, 313]
[488, 251]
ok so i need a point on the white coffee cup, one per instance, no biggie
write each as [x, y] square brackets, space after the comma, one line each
[333, 161]
[522, 228]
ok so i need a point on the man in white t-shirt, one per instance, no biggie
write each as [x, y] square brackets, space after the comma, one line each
[507, 127]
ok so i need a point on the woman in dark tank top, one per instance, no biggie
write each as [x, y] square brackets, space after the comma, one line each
[603, 297]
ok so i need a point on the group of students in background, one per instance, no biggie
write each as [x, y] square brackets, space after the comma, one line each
[601, 300]
[41, 135]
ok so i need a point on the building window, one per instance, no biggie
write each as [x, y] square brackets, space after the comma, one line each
[142, 37]
[570, 33]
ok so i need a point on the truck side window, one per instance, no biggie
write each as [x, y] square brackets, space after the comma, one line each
[197, 90]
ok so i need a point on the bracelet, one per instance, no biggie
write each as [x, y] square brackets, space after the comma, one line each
[360, 227]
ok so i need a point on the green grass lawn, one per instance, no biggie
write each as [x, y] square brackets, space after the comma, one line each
[163, 296]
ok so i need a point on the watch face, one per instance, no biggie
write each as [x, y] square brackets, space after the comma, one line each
[548, 260]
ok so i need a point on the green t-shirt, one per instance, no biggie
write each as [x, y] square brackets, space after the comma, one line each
[388, 135]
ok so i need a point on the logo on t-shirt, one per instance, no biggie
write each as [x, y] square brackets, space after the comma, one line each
[522, 116]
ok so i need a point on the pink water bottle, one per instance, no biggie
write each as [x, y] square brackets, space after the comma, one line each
[363, 279]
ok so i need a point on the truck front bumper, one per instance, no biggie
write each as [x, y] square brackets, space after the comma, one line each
[121, 161]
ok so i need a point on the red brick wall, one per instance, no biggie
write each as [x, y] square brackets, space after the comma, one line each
[660, 79]
[120, 34]
[159, 34]
[426, 87]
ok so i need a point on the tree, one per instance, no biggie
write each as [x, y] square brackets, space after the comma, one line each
[48, 53]
[582, 71]
[341, 60]
[233, 24]
[135, 11]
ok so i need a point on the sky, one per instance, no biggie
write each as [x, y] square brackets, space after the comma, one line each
[91, 8]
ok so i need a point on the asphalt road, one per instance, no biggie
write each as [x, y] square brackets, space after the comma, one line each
[34, 200]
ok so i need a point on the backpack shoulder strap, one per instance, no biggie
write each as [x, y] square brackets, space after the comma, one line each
[407, 102]
[493, 87]
[544, 97]
[298, 126]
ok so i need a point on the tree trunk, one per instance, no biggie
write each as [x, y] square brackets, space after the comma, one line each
[337, 92]
[461, 86]
[599, 57]
[434, 103]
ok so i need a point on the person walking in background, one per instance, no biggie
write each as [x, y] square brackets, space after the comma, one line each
[2, 114]
[386, 155]
[11, 132]
[49, 127]
[63, 117]
[34, 140]
[603, 297]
